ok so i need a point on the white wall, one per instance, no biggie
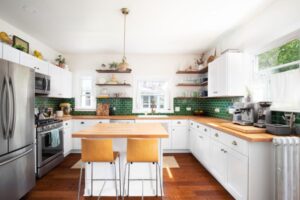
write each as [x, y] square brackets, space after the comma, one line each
[48, 53]
[143, 67]
[277, 20]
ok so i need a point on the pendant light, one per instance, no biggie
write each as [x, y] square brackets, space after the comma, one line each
[123, 66]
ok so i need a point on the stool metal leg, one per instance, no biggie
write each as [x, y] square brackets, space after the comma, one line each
[79, 184]
[124, 181]
[156, 180]
[92, 171]
[161, 188]
[120, 174]
[116, 185]
[128, 179]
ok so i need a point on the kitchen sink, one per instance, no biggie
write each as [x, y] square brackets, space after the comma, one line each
[153, 116]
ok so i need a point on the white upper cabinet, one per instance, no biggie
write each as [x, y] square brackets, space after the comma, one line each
[27, 60]
[61, 82]
[11, 54]
[42, 67]
[229, 75]
[1, 49]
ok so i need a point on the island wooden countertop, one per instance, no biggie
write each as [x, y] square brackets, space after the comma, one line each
[142, 130]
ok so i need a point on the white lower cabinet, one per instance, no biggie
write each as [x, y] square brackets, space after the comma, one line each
[218, 162]
[237, 174]
[202, 142]
[79, 125]
[166, 142]
[67, 137]
[180, 137]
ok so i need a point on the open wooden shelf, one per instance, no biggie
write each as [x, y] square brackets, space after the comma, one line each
[114, 71]
[204, 83]
[202, 71]
[119, 84]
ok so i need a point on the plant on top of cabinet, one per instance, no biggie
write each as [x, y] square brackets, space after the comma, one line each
[61, 61]
[20, 44]
[5, 38]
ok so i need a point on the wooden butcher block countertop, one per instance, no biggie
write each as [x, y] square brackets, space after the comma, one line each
[142, 130]
[212, 122]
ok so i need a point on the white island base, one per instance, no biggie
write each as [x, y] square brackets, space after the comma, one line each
[137, 171]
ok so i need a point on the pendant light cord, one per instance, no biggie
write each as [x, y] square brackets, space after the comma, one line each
[124, 42]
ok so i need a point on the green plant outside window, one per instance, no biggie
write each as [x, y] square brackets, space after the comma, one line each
[284, 54]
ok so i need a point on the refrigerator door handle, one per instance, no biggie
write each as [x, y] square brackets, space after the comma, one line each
[4, 102]
[16, 157]
[13, 113]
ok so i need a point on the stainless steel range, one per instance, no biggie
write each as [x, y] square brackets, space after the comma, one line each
[50, 145]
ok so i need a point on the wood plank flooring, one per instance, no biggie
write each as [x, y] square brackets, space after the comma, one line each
[189, 182]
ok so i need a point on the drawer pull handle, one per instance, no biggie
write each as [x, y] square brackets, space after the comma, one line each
[234, 143]
[66, 124]
[224, 151]
[200, 136]
[81, 122]
[178, 122]
[216, 135]
[100, 122]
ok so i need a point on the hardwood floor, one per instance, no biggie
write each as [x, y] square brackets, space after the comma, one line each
[189, 182]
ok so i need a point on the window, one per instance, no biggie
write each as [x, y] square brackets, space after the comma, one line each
[283, 58]
[87, 99]
[152, 95]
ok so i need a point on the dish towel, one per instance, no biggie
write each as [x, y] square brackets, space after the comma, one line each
[55, 140]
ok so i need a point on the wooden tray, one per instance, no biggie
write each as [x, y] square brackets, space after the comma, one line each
[244, 129]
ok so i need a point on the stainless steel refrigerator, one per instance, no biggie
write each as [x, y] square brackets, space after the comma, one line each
[17, 162]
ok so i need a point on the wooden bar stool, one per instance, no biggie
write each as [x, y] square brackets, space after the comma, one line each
[99, 151]
[142, 151]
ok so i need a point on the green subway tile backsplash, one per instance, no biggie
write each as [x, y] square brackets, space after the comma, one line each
[49, 102]
[118, 106]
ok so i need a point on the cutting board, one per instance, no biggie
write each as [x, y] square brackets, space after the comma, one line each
[244, 129]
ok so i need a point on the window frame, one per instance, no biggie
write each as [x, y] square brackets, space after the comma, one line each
[78, 100]
[137, 105]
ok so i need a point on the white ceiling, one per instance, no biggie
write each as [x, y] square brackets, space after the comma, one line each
[153, 26]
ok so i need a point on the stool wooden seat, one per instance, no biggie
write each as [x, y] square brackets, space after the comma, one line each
[142, 151]
[99, 151]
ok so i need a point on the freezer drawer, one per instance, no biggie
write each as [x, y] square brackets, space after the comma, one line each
[17, 173]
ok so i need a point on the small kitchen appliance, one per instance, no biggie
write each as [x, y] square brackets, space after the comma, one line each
[243, 113]
[263, 114]
[66, 108]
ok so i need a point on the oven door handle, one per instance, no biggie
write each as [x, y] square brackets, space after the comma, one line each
[45, 132]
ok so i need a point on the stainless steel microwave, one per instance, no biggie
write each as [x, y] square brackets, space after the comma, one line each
[42, 84]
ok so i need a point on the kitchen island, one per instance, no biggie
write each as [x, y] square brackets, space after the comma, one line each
[119, 134]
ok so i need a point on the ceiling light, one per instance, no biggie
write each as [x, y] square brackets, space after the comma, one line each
[124, 65]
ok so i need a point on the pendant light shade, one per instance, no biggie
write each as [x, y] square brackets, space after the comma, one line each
[123, 66]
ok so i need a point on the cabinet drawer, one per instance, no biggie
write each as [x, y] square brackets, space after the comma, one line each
[218, 135]
[67, 124]
[236, 144]
[193, 124]
[179, 122]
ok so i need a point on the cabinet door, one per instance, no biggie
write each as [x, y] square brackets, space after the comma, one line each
[202, 148]
[212, 79]
[67, 141]
[237, 176]
[11, 54]
[67, 87]
[222, 76]
[219, 162]
[42, 67]
[57, 81]
[180, 138]
[193, 136]
[28, 60]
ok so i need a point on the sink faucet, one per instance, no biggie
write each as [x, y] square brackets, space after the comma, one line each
[153, 106]
[289, 119]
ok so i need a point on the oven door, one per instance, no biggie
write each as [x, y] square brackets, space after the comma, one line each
[42, 84]
[50, 145]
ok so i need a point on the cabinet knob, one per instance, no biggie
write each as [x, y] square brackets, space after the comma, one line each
[200, 136]
[234, 143]
[66, 124]
[205, 130]
[179, 122]
[192, 123]
[198, 126]
[216, 135]
[100, 122]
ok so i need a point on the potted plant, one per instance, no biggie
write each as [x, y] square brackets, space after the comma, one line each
[61, 61]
